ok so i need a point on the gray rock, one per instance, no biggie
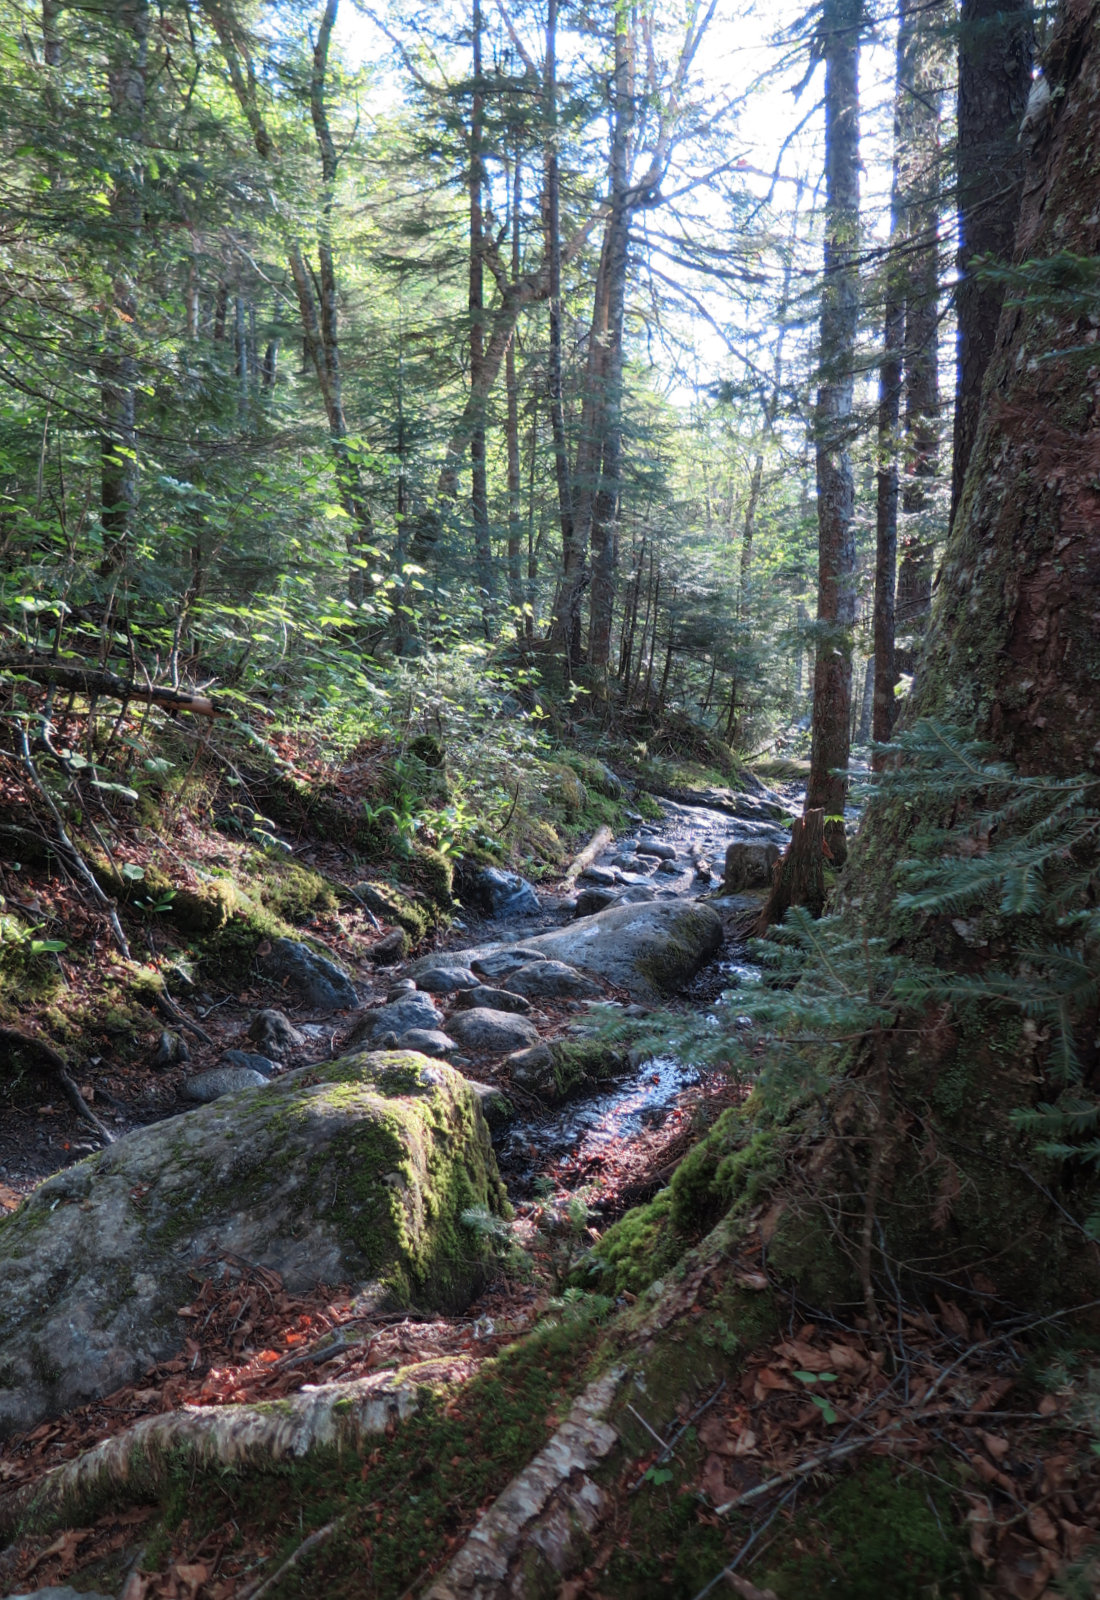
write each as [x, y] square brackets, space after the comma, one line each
[96, 1262]
[275, 1034]
[646, 869]
[625, 859]
[207, 1086]
[398, 1016]
[403, 986]
[446, 980]
[499, 963]
[171, 1050]
[603, 876]
[532, 1069]
[428, 1041]
[505, 894]
[314, 979]
[654, 847]
[637, 894]
[590, 901]
[492, 1032]
[60, 1592]
[496, 1108]
[493, 1000]
[553, 980]
[390, 948]
[650, 949]
[250, 1061]
[749, 865]
[669, 868]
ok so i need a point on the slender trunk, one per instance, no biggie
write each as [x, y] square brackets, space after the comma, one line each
[889, 414]
[922, 80]
[771, 410]
[835, 491]
[126, 79]
[569, 615]
[532, 543]
[515, 523]
[995, 50]
[605, 504]
[479, 488]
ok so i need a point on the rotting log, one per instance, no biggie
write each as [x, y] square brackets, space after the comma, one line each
[135, 1464]
[94, 681]
[798, 878]
[600, 840]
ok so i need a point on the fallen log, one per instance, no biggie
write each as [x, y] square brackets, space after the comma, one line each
[95, 681]
[600, 840]
[135, 1464]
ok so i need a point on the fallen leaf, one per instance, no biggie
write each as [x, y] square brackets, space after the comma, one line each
[954, 1319]
[9, 1198]
[996, 1444]
[767, 1380]
[713, 1481]
[1041, 1527]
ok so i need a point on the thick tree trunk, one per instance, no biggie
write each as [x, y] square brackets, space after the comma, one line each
[995, 47]
[840, 28]
[1015, 640]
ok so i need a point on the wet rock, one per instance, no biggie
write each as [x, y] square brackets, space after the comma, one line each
[250, 1061]
[91, 1278]
[316, 981]
[648, 949]
[603, 876]
[749, 865]
[492, 1032]
[551, 1072]
[384, 952]
[275, 1034]
[413, 1010]
[428, 1041]
[637, 894]
[625, 859]
[207, 1086]
[654, 847]
[552, 980]
[494, 1000]
[590, 901]
[645, 870]
[669, 868]
[446, 980]
[171, 1050]
[504, 894]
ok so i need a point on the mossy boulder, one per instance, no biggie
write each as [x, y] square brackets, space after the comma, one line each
[565, 791]
[356, 1171]
[290, 891]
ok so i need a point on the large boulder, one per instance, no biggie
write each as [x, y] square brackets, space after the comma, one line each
[355, 1171]
[649, 949]
[504, 894]
[749, 864]
[313, 979]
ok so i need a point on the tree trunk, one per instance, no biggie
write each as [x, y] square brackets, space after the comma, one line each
[126, 81]
[799, 875]
[995, 48]
[605, 506]
[889, 414]
[515, 525]
[833, 420]
[920, 106]
[479, 495]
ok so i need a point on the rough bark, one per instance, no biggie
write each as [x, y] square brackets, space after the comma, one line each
[995, 50]
[479, 484]
[799, 876]
[1014, 645]
[840, 28]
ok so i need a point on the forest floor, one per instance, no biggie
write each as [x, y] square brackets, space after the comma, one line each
[749, 1468]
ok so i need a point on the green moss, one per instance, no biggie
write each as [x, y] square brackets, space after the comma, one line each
[428, 749]
[648, 807]
[393, 906]
[292, 892]
[581, 1062]
[881, 1531]
[564, 791]
[730, 1169]
[433, 872]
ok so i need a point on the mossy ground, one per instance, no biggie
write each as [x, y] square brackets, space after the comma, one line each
[403, 1502]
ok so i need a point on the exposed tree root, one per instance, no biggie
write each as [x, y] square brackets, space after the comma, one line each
[134, 1464]
[46, 1058]
[799, 877]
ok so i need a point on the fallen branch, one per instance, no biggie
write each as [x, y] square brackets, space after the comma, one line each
[135, 1465]
[49, 1060]
[319, 1536]
[599, 841]
[89, 681]
[169, 1009]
